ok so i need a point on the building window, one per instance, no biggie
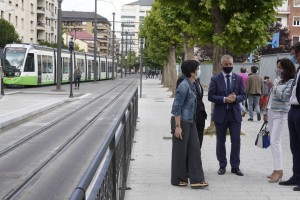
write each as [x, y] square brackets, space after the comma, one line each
[16, 21]
[297, 3]
[296, 21]
[9, 18]
[2, 14]
[295, 39]
[31, 7]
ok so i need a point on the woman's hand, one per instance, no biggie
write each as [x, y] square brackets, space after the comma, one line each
[178, 133]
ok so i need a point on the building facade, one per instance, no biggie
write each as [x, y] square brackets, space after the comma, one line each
[132, 15]
[74, 21]
[34, 20]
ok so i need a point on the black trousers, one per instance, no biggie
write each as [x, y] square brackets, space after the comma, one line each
[294, 129]
[200, 124]
[77, 82]
[186, 156]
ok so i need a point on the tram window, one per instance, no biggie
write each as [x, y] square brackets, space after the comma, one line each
[29, 63]
[103, 66]
[80, 64]
[65, 65]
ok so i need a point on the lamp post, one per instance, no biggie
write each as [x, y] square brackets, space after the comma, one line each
[122, 53]
[58, 80]
[95, 41]
[113, 47]
[126, 52]
[141, 65]
[71, 48]
[130, 56]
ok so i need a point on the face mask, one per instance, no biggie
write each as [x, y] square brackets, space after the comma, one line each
[227, 70]
[278, 72]
[198, 74]
[293, 59]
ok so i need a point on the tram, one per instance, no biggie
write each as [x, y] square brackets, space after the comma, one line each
[34, 65]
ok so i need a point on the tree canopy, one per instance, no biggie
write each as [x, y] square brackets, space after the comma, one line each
[8, 33]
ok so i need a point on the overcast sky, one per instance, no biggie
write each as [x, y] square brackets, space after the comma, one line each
[104, 8]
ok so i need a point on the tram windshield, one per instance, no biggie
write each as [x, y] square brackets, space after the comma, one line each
[15, 56]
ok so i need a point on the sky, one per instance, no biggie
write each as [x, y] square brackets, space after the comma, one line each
[105, 8]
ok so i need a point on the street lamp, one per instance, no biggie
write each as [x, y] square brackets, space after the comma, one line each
[126, 52]
[95, 41]
[141, 65]
[113, 47]
[71, 48]
[58, 81]
[122, 53]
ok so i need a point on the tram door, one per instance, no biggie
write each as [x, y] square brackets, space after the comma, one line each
[39, 71]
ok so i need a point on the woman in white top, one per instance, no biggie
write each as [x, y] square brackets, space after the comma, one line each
[277, 110]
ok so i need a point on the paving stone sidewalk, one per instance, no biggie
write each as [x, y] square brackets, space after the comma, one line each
[149, 173]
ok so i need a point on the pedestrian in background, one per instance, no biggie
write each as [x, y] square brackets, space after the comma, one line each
[294, 122]
[77, 77]
[186, 154]
[254, 90]
[244, 76]
[226, 91]
[277, 110]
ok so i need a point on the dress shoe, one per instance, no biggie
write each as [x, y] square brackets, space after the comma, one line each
[258, 117]
[221, 171]
[237, 171]
[276, 176]
[291, 181]
[251, 120]
[297, 188]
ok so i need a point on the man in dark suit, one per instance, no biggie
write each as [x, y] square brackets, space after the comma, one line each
[226, 91]
[294, 122]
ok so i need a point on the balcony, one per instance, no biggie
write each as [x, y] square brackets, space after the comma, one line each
[283, 10]
[40, 25]
[40, 10]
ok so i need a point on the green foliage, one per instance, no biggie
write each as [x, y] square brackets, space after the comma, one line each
[243, 25]
[8, 34]
[162, 29]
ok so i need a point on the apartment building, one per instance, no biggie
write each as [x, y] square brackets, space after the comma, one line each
[132, 15]
[34, 20]
[75, 21]
[289, 16]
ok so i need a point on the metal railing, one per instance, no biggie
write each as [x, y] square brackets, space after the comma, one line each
[108, 171]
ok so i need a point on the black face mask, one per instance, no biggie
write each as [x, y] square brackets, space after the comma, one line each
[227, 70]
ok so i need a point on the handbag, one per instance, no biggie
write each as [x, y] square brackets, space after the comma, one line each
[263, 137]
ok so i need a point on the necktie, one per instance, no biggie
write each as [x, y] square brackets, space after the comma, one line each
[228, 89]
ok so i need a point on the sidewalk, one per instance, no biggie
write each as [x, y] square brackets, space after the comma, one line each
[149, 172]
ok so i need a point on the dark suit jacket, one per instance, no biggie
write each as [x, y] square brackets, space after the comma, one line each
[217, 92]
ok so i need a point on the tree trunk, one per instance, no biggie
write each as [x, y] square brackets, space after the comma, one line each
[219, 26]
[172, 69]
[188, 51]
[165, 76]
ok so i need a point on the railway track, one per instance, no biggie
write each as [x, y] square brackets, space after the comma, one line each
[39, 149]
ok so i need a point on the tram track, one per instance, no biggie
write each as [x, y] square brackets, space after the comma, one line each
[55, 122]
[80, 130]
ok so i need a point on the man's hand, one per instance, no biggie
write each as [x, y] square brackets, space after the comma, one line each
[230, 98]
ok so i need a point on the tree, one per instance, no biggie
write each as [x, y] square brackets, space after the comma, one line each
[8, 33]
[162, 45]
[241, 26]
